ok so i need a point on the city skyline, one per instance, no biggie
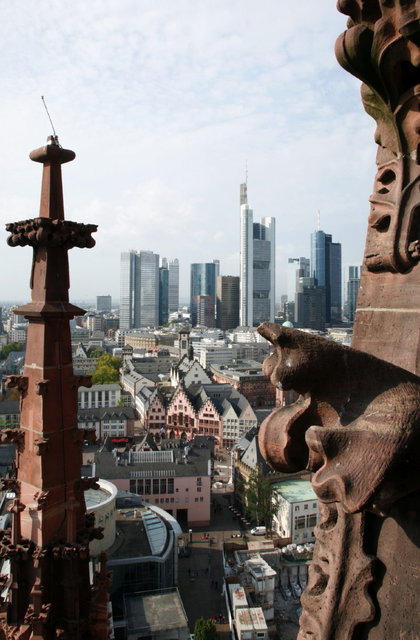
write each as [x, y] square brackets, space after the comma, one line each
[172, 106]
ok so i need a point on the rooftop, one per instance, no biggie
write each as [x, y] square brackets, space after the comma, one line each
[295, 490]
[151, 613]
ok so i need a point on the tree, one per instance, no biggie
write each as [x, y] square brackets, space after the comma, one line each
[107, 370]
[12, 346]
[260, 502]
[96, 353]
[205, 630]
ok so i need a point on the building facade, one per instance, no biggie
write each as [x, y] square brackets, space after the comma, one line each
[298, 510]
[227, 294]
[173, 286]
[351, 290]
[297, 268]
[326, 271]
[139, 290]
[163, 292]
[103, 303]
[203, 294]
[257, 265]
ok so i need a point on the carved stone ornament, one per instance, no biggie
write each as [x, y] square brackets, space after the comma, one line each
[41, 446]
[356, 426]
[13, 435]
[40, 232]
[11, 485]
[41, 498]
[380, 47]
[41, 387]
[17, 382]
[89, 483]
[356, 422]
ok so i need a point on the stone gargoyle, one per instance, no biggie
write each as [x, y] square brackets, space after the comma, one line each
[356, 424]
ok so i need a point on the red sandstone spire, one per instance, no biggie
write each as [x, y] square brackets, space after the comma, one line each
[50, 589]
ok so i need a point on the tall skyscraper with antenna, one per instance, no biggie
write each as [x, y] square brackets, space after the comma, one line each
[257, 265]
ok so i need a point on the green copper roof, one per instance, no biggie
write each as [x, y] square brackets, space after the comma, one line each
[295, 490]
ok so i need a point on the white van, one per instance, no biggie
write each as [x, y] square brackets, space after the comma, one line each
[259, 531]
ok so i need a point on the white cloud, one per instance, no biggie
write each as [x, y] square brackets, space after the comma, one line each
[164, 103]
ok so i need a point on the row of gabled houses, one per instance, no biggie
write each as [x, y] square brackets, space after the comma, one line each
[191, 404]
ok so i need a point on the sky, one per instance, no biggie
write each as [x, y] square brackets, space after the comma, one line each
[169, 105]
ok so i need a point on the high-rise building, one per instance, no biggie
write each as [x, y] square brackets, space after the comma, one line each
[310, 307]
[296, 268]
[139, 293]
[326, 270]
[127, 289]
[257, 265]
[203, 293]
[227, 294]
[103, 303]
[351, 289]
[163, 292]
[173, 286]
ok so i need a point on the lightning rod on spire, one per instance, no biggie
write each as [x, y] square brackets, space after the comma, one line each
[49, 117]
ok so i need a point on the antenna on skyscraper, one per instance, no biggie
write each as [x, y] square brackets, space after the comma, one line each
[318, 220]
[246, 172]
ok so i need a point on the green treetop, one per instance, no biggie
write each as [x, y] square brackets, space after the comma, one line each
[205, 630]
[107, 370]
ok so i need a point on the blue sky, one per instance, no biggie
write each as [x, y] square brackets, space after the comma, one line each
[165, 102]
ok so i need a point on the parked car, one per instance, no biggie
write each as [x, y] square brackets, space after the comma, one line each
[259, 531]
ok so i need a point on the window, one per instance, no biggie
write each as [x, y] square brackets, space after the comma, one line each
[311, 520]
[297, 508]
[170, 486]
[186, 500]
[198, 489]
[305, 506]
[155, 485]
[163, 486]
[147, 487]
[314, 505]
[300, 522]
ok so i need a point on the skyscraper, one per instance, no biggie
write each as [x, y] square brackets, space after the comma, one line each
[310, 307]
[139, 293]
[173, 286]
[326, 270]
[296, 268]
[127, 289]
[203, 293]
[227, 293]
[257, 265]
[351, 289]
[163, 292]
[103, 303]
